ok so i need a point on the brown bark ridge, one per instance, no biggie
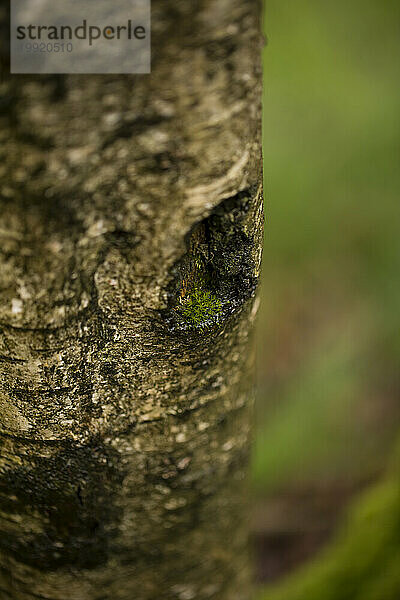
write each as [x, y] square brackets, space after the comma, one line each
[130, 244]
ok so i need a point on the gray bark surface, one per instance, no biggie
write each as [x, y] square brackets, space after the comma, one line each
[130, 246]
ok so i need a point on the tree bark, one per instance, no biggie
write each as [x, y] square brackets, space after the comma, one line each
[130, 245]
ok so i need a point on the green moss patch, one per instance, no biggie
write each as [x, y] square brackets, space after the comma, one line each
[199, 309]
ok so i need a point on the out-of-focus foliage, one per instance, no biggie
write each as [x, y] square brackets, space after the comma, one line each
[330, 319]
[363, 562]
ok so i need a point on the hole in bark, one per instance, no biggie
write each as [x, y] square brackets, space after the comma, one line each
[217, 274]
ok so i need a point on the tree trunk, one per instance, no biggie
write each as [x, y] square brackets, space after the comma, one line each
[131, 231]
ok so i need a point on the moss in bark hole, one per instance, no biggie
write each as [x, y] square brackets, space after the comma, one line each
[200, 308]
[218, 272]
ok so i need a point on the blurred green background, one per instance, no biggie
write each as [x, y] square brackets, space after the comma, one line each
[329, 343]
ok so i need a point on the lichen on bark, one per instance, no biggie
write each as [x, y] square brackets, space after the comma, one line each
[124, 437]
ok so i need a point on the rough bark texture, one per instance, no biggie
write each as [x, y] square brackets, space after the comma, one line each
[131, 231]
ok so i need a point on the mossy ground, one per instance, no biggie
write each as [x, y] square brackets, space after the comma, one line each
[363, 562]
